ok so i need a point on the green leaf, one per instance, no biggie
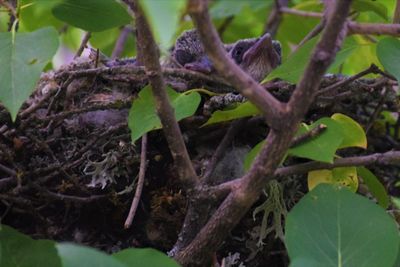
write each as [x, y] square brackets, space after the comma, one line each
[375, 186]
[17, 249]
[388, 51]
[226, 8]
[75, 255]
[248, 160]
[35, 14]
[368, 5]
[335, 227]
[343, 176]
[322, 147]
[293, 68]
[92, 15]
[143, 117]
[242, 110]
[146, 257]
[22, 59]
[164, 17]
[352, 132]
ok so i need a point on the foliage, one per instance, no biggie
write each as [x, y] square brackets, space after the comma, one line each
[332, 226]
[17, 249]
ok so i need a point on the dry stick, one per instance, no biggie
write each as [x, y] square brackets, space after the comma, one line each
[308, 135]
[387, 158]
[120, 44]
[240, 200]
[307, 14]
[139, 187]
[275, 17]
[371, 69]
[84, 42]
[150, 56]
[314, 32]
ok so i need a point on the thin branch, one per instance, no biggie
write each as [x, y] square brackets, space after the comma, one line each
[308, 135]
[84, 42]
[120, 44]
[314, 32]
[307, 14]
[371, 69]
[226, 67]
[150, 55]
[139, 187]
[275, 17]
[373, 28]
[391, 157]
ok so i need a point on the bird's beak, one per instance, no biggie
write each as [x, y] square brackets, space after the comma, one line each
[203, 65]
[265, 49]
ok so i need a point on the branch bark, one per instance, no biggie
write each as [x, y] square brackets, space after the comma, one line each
[245, 194]
[150, 55]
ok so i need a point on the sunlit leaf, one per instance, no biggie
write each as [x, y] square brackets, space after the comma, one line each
[352, 132]
[334, 227]
[368, 5]
[344, 176]
[35, 14]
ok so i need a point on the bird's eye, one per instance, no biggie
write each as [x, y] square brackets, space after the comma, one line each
[237, 54]
[184, 57]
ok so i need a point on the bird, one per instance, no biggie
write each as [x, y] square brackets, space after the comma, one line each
[256, 56]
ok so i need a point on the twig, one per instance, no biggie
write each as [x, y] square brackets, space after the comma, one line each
[391, 157]
[371, 69]
[84, 42]
[224, 25]
[139, 186]
[120, 44]
[149, 50]
[275, 17]
[308, 135]
[8, 170]
[307, 14]
[314, 32]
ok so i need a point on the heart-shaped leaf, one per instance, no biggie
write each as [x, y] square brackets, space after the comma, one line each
[334, 227]
[352, 132]
[22, 57]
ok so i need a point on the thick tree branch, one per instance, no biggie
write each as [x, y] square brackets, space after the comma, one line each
[150, 55]
[271, 108]
[373, 28]
[240, 200]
